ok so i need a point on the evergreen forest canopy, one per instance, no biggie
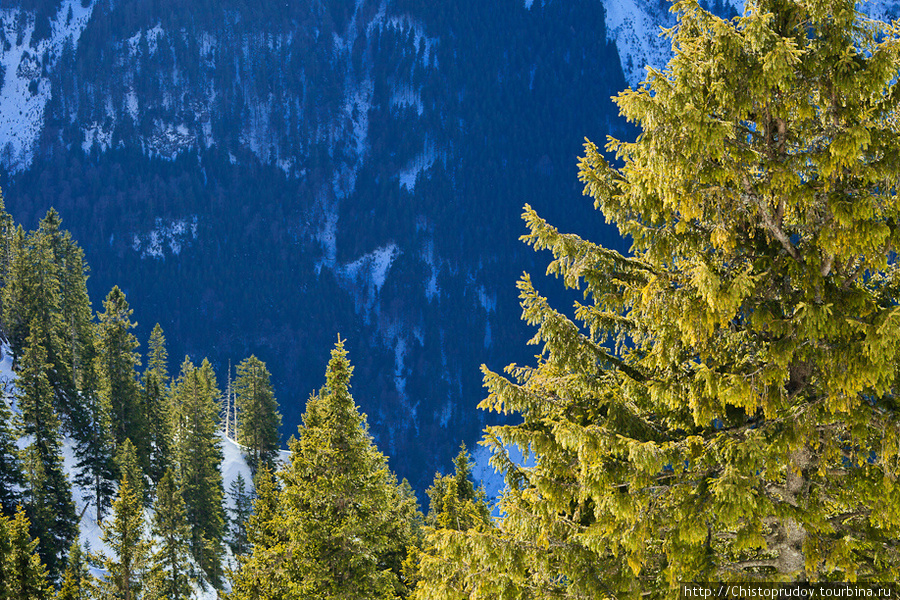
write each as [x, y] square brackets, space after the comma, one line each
[722, 406]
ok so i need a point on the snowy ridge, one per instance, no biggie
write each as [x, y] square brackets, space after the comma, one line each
[25, 90]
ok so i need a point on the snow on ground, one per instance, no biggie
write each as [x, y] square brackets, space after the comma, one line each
[90, 532]
[431, 286]
[883, 10]
[24, 91]
[420, 163]
[366, 275]
[356, 108]
[634, 26]
[97, 135]
[233, 464]
[7, 376]
[166, 237]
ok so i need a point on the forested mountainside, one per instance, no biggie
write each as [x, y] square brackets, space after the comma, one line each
[720, 405]
[263, 177]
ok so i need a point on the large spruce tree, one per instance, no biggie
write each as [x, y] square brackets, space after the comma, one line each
[722, 405]
[198, 453]
[342, 524]
[117, 361]
[125, 535]
[48, 495]
[156, 404]
[258, 416]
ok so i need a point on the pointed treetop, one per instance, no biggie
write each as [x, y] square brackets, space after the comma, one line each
[115, 308]
[337, 376]
[52, 222]
[158, 358]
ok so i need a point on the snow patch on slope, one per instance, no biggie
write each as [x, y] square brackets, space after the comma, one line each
[635, 28]
[25, 91]
[406, 96]
[166, 237]
[420, 163]
[367, 274]
[883, 10]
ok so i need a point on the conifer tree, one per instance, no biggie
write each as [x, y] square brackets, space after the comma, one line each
[31, 292]
[240, 514]
[258, 416]
[96, 462]
[129, 468]
[7, 230]
[156, 404]
[347, 520]
[11, 478]
[48, 494]
[199, 454]
[170, 572]
[723, 404]
[455, 505]
[116, 364]
[77, 581]
[22, 575]
[261, 573]
[75, 335]
[125, 535]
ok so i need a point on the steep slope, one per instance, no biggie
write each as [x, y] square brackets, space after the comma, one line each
[259, 181]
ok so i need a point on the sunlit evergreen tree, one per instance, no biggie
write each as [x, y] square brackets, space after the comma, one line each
[117, 360]
[77, 581]
[156, 404]
[198, 454]
[342, 525]
[723, 404]
[170, 568]
[258, 416]
[48, 495]
[22, 575]
[125, 535]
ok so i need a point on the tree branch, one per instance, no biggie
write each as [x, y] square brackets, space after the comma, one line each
[772, 223]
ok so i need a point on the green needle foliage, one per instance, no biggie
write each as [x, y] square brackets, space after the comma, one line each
[258, 416]
[22, 575]
[125, 535]
[77, 582]
[170, 572]
[48, 495]
[341, 526]
[723, 403]
[198, 453]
